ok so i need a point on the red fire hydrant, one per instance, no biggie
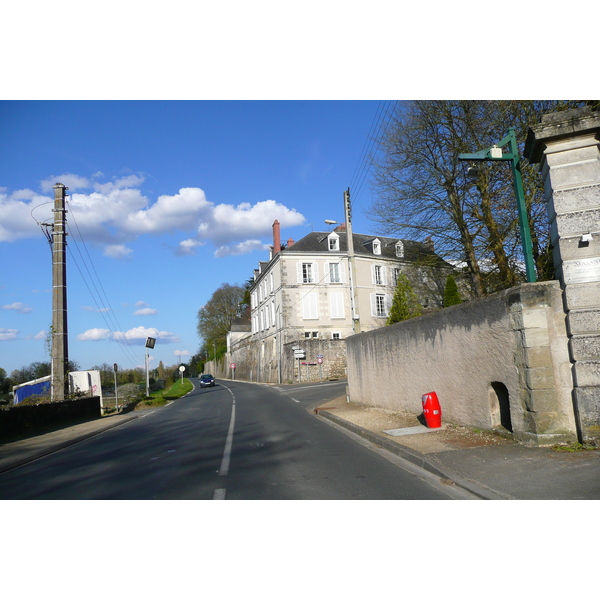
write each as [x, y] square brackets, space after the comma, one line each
[432, 411]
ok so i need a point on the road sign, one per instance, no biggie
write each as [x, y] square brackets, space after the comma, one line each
[232, 366]
[320, 360]
[299, 354]
[182, 368]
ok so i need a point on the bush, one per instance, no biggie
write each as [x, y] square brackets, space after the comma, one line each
[451, 293]
[130, 392]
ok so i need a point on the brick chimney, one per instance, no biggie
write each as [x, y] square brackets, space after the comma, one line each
[276, 237]
[290, 243]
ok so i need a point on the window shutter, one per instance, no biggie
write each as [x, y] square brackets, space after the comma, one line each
[336, 304]
[299, 272]
[373, 305]
[388, 304]
[309, 306]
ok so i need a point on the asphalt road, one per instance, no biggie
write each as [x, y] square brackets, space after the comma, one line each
[234, 441]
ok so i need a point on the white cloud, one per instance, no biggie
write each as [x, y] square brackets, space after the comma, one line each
[241, 248]
[188, 247]
[94, 335]
[145, 311]
[73, 182]
[95, 309]
[115, 213]
[136, 336]
[117, 251]
[18, 307]
[181, 353]
[19, 212]
[41, 335]
[7, 335]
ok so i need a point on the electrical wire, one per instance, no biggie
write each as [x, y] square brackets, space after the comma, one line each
[379, 127]
[114, 326]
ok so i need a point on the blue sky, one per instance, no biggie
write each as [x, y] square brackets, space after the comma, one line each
[173, 198]
[167, 201]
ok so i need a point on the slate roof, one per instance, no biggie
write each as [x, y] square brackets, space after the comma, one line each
[363, 245]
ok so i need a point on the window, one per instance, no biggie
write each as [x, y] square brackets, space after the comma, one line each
[379, 275]
[307, 272]
[380, 304]
[310, 309]
[311, 334]
[336, 335]
[396, 273]
[399, 249]
[333, 242]
[271, 282]
[334, 273]
[273, 313]
[376, 247]
[336, 305]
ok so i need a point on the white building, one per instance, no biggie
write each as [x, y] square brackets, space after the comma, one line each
[304, 291]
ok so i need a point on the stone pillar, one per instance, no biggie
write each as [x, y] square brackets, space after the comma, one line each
[566, 144]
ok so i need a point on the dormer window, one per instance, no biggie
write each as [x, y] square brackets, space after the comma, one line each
[399, 249]
[376, 247]
[333, 242]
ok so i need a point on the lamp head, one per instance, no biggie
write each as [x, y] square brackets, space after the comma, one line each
[330, 222]
[473, 172]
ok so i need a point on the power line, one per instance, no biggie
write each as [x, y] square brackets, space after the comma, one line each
[379, 128]
[125, 347]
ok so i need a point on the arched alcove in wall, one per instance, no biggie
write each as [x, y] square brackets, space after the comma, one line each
[500, 405]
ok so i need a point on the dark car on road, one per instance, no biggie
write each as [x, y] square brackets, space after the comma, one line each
[206, 380]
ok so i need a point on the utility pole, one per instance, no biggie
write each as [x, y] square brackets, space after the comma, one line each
[60, 342]
[351, 261]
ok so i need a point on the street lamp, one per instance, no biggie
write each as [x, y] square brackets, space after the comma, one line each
[495, 153]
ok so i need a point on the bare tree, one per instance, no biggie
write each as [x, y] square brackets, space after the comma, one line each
[424, 190]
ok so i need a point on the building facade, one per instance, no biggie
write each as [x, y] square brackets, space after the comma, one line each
[305, 299]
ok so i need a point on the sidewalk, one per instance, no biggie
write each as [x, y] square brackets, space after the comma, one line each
[15, 454]
[489, 466]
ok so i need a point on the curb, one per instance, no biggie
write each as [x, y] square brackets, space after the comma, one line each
[57, 447]
[411, 456]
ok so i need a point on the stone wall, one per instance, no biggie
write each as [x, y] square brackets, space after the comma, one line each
[498, 363]
[258, 361]
[567, 147]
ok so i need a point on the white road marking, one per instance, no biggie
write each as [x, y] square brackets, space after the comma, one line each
[219, 494]
[224, 470]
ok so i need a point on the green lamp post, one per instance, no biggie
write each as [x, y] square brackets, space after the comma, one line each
[495, 153]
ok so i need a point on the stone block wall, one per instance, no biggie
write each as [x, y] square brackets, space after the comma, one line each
[567, 146]
[514, 341]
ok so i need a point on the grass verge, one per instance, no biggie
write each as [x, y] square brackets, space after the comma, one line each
[161, 397]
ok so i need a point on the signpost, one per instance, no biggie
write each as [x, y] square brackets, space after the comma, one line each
[232, 367]
[298, 354]
[181, 370]
[115, 368]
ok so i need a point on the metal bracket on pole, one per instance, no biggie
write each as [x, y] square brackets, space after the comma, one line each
[495, 153]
